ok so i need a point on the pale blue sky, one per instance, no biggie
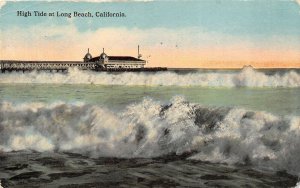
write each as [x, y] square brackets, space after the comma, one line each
[207, 30]
[250, 18]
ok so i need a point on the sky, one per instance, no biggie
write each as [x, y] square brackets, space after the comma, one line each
[189, 34]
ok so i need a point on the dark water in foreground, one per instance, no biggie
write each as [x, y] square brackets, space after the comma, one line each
[34, 169]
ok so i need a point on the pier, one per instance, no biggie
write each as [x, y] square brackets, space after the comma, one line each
[144, 69]
[63, 66]
[103, 62]
[52, 66]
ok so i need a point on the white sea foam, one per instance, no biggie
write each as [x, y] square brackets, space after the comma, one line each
[247, 77]
[150, 129]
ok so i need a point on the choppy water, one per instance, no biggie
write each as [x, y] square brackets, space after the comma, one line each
[188, 129]
[247, 77]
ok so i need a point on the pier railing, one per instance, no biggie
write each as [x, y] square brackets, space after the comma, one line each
[12, 65]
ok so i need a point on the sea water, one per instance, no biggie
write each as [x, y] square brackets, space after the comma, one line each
[188, 128]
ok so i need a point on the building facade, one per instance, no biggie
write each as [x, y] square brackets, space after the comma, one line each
[115, 62]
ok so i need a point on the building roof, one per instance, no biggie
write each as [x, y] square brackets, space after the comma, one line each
[88, 56]
[117, 58]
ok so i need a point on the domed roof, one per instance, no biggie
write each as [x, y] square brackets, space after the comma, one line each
[103, 55]
[88, 55]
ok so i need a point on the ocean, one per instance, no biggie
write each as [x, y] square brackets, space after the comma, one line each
[179, 128]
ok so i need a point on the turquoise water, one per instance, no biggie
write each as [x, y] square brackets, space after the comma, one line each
[187, 129]
[279, 101]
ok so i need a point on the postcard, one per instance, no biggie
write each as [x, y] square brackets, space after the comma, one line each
[150, 93]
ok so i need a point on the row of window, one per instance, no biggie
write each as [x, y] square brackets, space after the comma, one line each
[124, 66]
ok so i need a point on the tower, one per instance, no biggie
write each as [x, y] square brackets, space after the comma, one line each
[139, 55]
[87, 56]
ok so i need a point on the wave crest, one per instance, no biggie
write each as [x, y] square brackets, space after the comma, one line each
[247, 77]
[150, 129]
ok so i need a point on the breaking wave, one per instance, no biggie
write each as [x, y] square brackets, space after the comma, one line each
[151, 129]
[247, 77]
